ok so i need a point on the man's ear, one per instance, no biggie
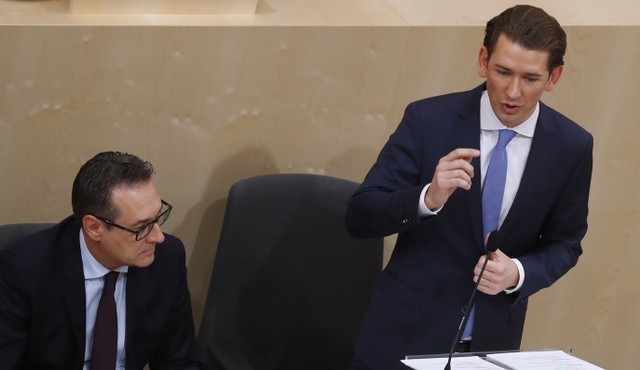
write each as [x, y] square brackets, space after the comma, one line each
[92, 227]
[483, 62]
[553, 78]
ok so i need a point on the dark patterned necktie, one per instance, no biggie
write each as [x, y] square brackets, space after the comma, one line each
[105, 333]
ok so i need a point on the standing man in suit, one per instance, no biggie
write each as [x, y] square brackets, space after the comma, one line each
[427, 186]
[51, 282]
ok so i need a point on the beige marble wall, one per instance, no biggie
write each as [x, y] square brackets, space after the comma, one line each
[161, 6]
[212, 104]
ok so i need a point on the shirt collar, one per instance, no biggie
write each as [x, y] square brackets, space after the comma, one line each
[489, 120]
[91, 267]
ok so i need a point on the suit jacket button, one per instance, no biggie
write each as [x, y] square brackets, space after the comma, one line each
[405, 220]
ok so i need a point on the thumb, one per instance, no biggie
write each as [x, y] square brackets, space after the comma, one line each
[497, 255]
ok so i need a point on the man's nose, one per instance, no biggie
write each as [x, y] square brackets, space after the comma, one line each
[156, 235]
[513, 90]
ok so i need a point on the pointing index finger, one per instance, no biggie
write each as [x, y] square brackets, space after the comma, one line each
[464, 153]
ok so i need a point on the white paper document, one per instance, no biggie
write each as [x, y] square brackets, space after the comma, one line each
[541, 360]
[466, 362]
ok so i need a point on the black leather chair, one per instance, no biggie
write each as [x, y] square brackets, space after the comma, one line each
[12, 232]
[289, 286]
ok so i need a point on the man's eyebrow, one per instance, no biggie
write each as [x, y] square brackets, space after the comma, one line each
[140, 224]
[145, 222]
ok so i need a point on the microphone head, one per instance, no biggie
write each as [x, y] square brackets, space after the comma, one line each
[494, 240]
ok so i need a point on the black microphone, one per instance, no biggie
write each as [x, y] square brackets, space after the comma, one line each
[493, 241]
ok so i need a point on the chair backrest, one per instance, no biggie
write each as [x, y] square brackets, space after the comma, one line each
[12, 232]
[290, 286]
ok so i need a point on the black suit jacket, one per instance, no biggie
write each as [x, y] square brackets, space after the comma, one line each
[429, 278]
[42, 305]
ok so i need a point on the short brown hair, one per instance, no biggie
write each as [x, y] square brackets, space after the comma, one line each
[531, 28]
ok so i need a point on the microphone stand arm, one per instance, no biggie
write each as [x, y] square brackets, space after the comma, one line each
[465, 317]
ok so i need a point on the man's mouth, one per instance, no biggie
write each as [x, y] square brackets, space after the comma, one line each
[510, 108]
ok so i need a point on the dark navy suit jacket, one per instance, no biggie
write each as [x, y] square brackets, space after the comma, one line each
[42, 305]
[429, 278]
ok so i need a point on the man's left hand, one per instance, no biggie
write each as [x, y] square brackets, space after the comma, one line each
[500, 274]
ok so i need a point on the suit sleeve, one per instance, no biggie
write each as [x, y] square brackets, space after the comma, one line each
[387, 201]
[559, 246]
[14, 309]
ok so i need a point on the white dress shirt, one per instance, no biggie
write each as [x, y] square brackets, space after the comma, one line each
[517, 152]
[94, 274]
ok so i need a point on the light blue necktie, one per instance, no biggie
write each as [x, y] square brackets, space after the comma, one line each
[492, 193]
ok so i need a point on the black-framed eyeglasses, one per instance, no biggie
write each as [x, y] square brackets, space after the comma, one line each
[145, 230]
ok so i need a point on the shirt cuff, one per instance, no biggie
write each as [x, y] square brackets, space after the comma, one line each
[423, 210]
[521, 274]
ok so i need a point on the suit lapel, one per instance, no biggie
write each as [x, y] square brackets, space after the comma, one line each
[468, 136]
[136, 305]
[73, 288]
[537, 162]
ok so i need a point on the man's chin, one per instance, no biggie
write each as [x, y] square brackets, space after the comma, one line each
[146, 261]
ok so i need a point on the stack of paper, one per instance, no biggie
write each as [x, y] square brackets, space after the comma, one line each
[533, 360]
[466, 362]
[541, 360]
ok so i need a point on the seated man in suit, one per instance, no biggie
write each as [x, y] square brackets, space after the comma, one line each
[53, 313]
[437, 184]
